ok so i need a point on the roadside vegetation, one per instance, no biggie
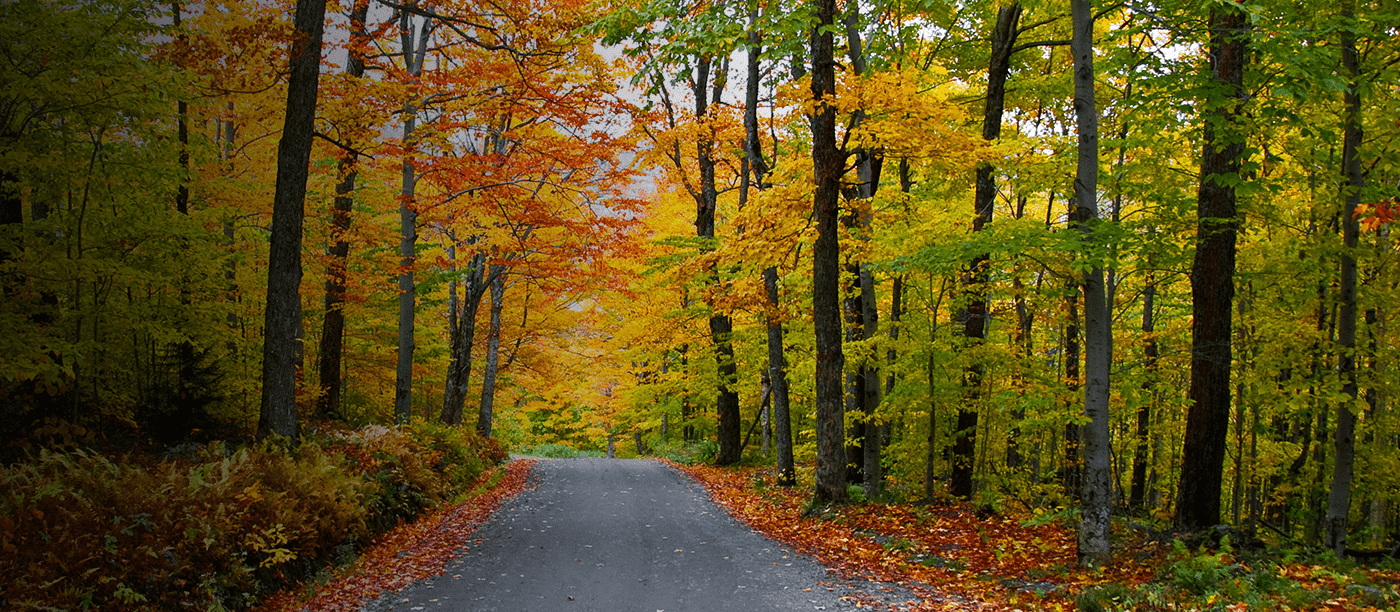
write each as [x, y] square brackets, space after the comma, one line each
[216, 526]
[954, 555]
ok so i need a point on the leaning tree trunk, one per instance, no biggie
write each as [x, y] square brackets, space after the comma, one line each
[1213, 276]
[277, 415]
[827, 164]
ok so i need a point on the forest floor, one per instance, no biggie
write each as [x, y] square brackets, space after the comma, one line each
[941, 556]
[408, 553]
[1010, 561]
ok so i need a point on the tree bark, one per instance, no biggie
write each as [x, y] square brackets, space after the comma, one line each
[462, 332]
[493, 350]
[333, 325]
[827, 164]
[277, 415]
[1212, 275]
[1096, 497]
[1138, 489]
[721, 327]
[1344, 436]
[414, 50]
[976, 308]
[777, 360]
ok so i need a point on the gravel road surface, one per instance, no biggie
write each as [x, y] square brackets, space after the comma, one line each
[623, 535]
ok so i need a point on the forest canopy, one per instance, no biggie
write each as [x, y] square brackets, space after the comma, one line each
[1128, 256]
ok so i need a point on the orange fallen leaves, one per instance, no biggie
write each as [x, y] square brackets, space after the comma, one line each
[409, 552]
[947, 556]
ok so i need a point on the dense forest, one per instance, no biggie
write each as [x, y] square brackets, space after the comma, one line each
[1100, 259]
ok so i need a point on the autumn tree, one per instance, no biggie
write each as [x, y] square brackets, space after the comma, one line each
[827, 168]
[1213, 270]
[1097, 493]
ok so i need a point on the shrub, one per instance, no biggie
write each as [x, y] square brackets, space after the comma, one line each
[558, 451]
[688, 453]
[80, 530]
[216, 529]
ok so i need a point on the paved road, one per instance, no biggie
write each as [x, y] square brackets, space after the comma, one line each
[622, 535]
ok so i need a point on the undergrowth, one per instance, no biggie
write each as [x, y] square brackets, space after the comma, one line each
[558, 451]
[219, 527]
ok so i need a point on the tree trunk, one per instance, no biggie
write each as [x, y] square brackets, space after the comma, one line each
[493, 350]
[333, 326]
[1097, 491]
[1138, 489]
[277, 415]
[721, 328]
[462, 332]
[1212, 275]
[977, 277]
[1070, 470]
[413, 55]
[1344, 437]
[777, 361]
[827, 165]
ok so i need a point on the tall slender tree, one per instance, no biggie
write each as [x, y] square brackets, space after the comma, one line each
[827, 165]
[1344, 437]
[278, 413]
[1096, 496]
[333, 323]
[1213, 270]
[976, 307]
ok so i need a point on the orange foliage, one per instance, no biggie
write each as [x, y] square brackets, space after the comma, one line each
[947, 556]
[409, 553]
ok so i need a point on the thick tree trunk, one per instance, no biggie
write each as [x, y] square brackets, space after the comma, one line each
[1213, 275]
[1097, 488]
[827, 165]
[333, 325]
[277, 415]
[976, 308]
[493, 350]
[1344, 437]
